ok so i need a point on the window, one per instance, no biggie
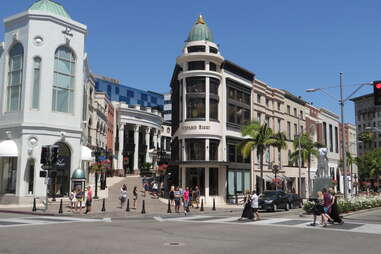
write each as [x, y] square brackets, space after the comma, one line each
[36, 83]
[195, 149]
[259, 116]
[238, 103]
[267, 102]
[325, 133]
[144, 97]
[212, 66]
[213, 109]
[213, 50]
[213, 150]
[278, 105]
[63, 86]
[117, 90]
[195, 85]
[288, 109]
[295, 112]
[279, 125]
[213, 181]
[234, 153]
[130, 94]
[154, 100]
[336, 140]
[258, 98]
[295, 129]
[267, 121]
[196, 65]
[330, 138]
[288, 130]
[213, 85]
[193, 49]
[301, 114]
[15, 74]
[195, 107]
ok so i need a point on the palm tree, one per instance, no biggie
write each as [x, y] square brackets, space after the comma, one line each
[308, 148]
[280, 143]
[260, 138]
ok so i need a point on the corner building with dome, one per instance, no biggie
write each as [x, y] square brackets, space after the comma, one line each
[211, 101]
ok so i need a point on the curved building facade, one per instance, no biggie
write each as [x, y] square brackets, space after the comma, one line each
[211, 100]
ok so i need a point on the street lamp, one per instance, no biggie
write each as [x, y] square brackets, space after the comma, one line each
[341, 103]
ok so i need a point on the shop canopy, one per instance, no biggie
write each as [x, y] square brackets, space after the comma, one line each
[8, 148]
[86, 154]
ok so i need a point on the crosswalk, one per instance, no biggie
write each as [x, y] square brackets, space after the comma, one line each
[348, 226]
[40, 220]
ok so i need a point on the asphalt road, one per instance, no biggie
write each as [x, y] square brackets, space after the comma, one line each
[150, 235]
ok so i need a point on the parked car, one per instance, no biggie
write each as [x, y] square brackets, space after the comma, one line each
[273, 200]
[294, 201]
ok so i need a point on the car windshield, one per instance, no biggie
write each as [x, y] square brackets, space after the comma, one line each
[269, 195]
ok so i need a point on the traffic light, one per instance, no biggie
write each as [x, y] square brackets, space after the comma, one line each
[377, 92]
[54, 154]
[45, 154]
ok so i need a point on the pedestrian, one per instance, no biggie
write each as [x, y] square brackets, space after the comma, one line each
[79, 197]
[254, 205]
[197, 196]
[318, 210]
[177, 200]
[123, 195]
[186, 200]
[89, 199]
[145, 187]
[73, 200]
[247, 212]
[155, 187]
[334, 214]
[327, 204]
[172, 195]
[135, 195]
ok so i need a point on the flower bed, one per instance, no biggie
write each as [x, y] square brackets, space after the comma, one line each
[352, 204]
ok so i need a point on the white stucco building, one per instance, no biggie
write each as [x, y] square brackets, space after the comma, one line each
[41, 87]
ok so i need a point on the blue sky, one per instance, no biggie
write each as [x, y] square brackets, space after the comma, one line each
[290, 44]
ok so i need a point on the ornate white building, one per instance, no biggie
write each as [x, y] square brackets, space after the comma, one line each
[41, 87]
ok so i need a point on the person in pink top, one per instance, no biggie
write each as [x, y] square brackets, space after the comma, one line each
[186, 200]
[89, 199]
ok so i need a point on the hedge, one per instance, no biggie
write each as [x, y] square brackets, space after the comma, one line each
[351, 204]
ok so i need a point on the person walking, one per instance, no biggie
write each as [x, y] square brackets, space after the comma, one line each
[135, 195]
[89, 199]
[186, 200]
[247, 212]
[172, 195]
[327, 204]
[79, 197]
[123, 195]
[334, 213]
[73, 200]
[319, 210]
[197, 195]
[155, 187]
[254, 205]
[177, 200]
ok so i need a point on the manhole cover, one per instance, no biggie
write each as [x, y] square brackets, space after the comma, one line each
[174, 244]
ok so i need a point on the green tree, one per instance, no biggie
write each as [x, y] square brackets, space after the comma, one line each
[260, 138]
[369, 166]
[308, 148]
[366, 137]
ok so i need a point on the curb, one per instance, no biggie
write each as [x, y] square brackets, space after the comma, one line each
[27, 212]
[361, 211]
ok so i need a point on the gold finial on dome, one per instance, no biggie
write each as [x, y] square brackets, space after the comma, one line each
[200, 20]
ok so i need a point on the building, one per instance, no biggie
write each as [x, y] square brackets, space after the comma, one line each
[350, 137]
[167, 107]
[211, 101]
[41, 87]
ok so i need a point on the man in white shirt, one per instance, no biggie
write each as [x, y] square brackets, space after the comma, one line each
[254, 205]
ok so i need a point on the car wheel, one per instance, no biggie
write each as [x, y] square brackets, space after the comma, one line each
[275, 207]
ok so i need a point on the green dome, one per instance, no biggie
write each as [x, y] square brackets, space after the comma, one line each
[78, 174]
[51, 7]
[200, 31]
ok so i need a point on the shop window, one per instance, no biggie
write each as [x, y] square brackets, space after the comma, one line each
[213, 50]
[195, 107]
[195, 85]
[212, 66]
[8, 174]
[213, 85]
[213, 181]
[213, 109]
[193, 49]
[195, 177]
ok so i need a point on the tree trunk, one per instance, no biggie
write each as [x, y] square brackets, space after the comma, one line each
[309, 175]
[261, 166]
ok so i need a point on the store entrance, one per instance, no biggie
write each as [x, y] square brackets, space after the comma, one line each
[195, 177]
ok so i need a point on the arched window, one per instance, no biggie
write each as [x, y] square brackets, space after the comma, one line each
[63, 86]
[36, 82]
[15, 74]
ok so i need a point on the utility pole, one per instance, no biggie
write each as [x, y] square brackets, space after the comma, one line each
[341, 102]
[299, 161]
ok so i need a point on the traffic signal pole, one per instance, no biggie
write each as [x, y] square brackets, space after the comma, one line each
[341, 102]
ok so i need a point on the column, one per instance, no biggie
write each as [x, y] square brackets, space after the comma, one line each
[148, 131]
[183, 177]
[136, 142]
[206, 185]
[121, 146]
[165, 144]
[155, 138]
[159, 141]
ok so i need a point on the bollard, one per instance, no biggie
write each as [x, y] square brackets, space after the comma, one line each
[128, 205]
[60, 210]
[104, 205]
[214, 205]
[202, 205]
[144, 207]
[169, 206]
[34, 205]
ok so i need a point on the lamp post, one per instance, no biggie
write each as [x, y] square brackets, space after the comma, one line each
[341, 103]
[299, 160]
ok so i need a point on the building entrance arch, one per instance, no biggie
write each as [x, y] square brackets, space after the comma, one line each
[61, 182]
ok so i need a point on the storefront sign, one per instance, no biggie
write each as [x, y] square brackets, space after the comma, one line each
[195, 127]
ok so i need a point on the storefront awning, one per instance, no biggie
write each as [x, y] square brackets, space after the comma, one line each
[86, 154]
[8, 148]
